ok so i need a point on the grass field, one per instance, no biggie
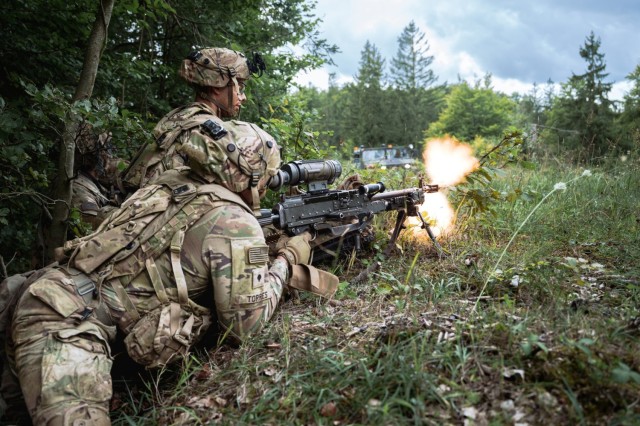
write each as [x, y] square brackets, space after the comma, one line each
[532, 318]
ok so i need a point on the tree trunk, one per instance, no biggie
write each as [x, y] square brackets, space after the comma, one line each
[57, 232]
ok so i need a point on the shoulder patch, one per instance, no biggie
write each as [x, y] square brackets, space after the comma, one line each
[257, 254]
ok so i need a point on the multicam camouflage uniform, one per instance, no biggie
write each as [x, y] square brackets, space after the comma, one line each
[145, 272]
[91, 199]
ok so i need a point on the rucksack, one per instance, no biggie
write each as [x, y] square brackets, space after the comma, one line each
[152, 154]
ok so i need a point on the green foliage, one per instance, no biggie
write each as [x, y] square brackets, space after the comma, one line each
[629, 120]
[328, 108]
[473, 111]
[366, 104]
[289, 123]
[28, 144]
[43, 41]
[478, 197]
[623, 374]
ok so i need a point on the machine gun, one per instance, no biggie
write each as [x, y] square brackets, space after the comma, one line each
[334, 213]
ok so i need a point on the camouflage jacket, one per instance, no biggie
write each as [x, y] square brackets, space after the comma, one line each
[202, 235]
[91, 199]
[191, 136]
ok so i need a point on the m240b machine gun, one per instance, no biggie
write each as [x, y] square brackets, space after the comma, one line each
[333, 214]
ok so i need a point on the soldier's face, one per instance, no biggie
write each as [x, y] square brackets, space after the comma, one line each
[234, 102]
[239, 97]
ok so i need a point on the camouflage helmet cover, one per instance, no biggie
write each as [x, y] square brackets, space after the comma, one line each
[89, 142]
[215, 67]
[93, 151]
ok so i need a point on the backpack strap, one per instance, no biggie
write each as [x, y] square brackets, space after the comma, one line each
[154, 276]
[178, 273]
[181, 120]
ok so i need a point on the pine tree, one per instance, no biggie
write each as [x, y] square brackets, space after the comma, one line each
[412, 77]
[411, 65]
[367, 111]
[371, 68]
[582, 115]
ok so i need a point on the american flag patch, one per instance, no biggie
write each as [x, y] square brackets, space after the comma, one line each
[257, 255]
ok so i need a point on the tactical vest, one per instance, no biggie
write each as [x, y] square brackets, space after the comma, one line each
[148, 223]
[126, 244]
[160, 153]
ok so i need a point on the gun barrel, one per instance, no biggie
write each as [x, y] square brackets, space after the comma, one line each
[405, 192]
[394, 194]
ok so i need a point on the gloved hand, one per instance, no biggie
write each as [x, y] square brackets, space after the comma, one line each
[296, 249]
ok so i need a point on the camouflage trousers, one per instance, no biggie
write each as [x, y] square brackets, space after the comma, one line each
[60, 353]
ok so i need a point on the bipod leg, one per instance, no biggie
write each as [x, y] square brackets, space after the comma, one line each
[437, 245]
[402, 215]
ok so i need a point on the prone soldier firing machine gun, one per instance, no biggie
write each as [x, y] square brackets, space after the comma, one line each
[336, 213]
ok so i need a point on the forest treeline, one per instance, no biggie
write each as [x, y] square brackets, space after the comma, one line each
[43, 51]
[402, 102]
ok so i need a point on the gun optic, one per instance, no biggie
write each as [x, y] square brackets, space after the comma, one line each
[317, 174]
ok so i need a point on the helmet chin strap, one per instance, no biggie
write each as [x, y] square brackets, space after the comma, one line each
[211, 99]
[230, 94]
[229, 107]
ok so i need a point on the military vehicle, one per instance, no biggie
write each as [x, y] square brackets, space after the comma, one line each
[385, 157]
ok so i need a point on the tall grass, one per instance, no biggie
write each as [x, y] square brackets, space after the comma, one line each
[554, 337]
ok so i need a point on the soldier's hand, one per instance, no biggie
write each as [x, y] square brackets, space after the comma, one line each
[296, 249]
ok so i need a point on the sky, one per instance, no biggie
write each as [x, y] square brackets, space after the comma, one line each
[519, 42]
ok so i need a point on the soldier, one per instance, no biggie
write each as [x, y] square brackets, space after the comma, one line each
[218, 77]
[96, 168]
[145, 273]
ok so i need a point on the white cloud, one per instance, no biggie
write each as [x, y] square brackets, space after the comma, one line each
[510, 86]
[518, 43]
[620, 89]
[320, 78]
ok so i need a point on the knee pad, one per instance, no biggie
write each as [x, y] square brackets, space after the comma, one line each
[70, 414]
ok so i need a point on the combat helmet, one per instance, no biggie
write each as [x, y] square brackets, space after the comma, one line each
[93, 151]
[243, 157]
[219, 67]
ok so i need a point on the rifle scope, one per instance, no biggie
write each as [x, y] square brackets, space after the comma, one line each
[316, 173]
